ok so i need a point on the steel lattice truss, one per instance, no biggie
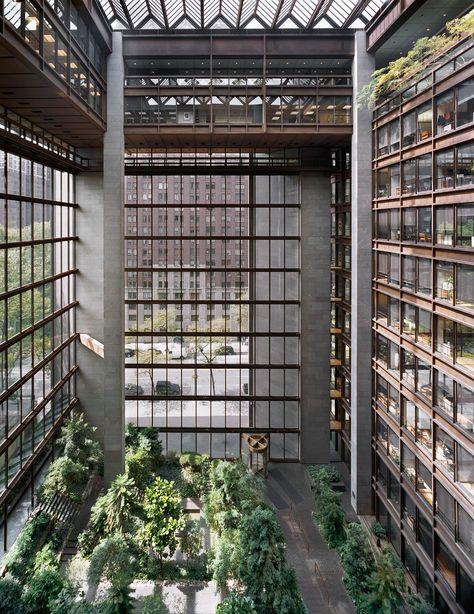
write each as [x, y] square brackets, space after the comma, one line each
[197, 14]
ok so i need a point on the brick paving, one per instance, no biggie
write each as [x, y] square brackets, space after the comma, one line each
[317, 568]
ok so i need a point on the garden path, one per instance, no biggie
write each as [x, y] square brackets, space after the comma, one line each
[317, 568]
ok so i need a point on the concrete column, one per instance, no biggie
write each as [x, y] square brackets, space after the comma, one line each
[90, 294]
[361, 299]
[100, 281]
[315, 316]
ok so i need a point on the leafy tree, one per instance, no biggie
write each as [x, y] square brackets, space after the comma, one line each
[146, 359]
[65, 477]
[43, 588]
[191, 540]
[386, 586]
[163, 517]
[207, 344]
[225, 558]
[10, 597]
[112, 560]
[78, 443]
[145, 438]
[418, 605]
[196, 469]
[233, 491]
[330, 517]
[115, 512]
[262, 547]
[286, 598]
[120, 506]
[357, 560]
[139, 467]
[235, 603]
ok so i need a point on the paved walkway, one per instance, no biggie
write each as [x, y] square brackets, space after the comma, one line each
[317, 568]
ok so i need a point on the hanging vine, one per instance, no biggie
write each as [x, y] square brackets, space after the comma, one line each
[425, 53]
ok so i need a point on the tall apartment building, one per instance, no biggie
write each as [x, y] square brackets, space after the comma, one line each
[195, 187]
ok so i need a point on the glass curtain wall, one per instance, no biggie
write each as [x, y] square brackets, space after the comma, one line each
[37, 300]
[212, 310]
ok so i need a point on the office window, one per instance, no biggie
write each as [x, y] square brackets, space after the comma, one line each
[408, 129]
[465, 285]
[465, 407]
[444, 393]
[444, 233]
[409, 177]
[465, 225]
[465, 103]
[465, 164]
[444, 281]
[445, 112]
[394, 225]
[444, 451]
[425, 123]
[444, 165]
[465, 346]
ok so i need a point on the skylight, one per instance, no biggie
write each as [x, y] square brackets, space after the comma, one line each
[197, 14]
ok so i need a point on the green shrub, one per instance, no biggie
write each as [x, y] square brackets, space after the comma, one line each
[235, 603]
[191, 539]
[20, 559]
[357, 560]
[378, 531]
[43, 588]
[46, 558]
[418, 605]
[327, 472]
[330, 517]
[65, 477]
[10, 597]
[191, 459]
[153, 604]
[196, 473]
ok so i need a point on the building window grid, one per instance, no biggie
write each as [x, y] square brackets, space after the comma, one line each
[226, 307]
[37, 358]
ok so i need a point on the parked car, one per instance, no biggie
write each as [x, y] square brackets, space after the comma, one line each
[133, 389]
[166, 388]
[225, 350]
[129, 352]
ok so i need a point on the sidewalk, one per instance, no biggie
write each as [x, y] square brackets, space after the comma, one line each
[317, 567]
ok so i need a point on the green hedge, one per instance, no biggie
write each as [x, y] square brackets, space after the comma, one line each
[20, 560]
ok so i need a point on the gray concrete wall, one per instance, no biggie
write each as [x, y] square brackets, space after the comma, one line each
[361, 299]
[90, 294]
[315, 316]
[100, 280]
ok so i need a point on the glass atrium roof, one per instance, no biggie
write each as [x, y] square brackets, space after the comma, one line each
[230, 14]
